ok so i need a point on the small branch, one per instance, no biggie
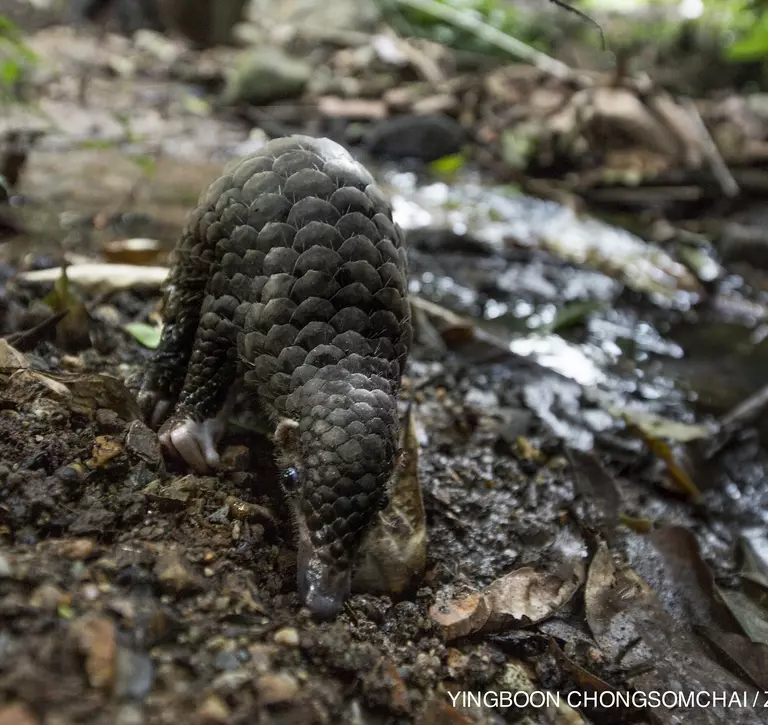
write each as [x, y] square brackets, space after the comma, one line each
[583, 16]
[495, 37]
[709, 147]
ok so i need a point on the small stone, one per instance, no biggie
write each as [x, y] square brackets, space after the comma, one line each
[460, 617]
[261, 657]
[134, 674]
[143, 442]
[96, 639]
[174, 575]
[107, 420]
[226, 661]
[75, 549]
[276, 688]
[213, 711]
[17, 714]
[287, 636]
[129, 715]
[265, 75]
[244, 510]
[168, 498]
[5, 567]
[230, 681]
[220, 516]
[47, 597]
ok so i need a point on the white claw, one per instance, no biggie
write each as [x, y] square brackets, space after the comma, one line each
[195, 443]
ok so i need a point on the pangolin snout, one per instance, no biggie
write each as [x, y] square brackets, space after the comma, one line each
[323, 584]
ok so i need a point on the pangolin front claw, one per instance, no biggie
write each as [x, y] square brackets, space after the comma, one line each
[193, 441]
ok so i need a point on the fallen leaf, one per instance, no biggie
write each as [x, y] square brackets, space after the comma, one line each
[632, 628]
[103, 278]
[72, 331]
[639, 526]
[393, 552]
[147, 335]
[752, 617]
[528, 595]
[677, 472]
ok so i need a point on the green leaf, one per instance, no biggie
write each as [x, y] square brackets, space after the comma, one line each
[147, 335]
[448, 165]
[754, 45]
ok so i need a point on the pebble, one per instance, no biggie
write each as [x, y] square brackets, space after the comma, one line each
[220, 516]
[276, 688]
[173, 573]
[47, 597]
[226, 661]
[18, 714]
[129, 715]
[108, 421]
[75, 549]
[213, 711]
[5, 567]
[287, 636]
[96, 638]
[143, 442]
[134, 674]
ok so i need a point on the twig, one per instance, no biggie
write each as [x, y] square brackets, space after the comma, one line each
[735, 420]
[501, 40]
[583, 16]
[709, 147]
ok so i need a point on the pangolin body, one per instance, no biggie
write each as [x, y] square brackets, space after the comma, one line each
[291, 277]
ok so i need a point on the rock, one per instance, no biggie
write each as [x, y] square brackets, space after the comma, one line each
[5, 567]
[107, 420]
[143, 442]
[17, 714]
[129, 715]
[425, 138]
[276, 688]
[47, 597]
[75, 549]
[134, 674]
[220, 516]
[213, 711]
[174, 575]
[204, 22]
[287, 636]
[245, 510]
[226, 661]
[96, 639]
[266, 75]
[460, 617]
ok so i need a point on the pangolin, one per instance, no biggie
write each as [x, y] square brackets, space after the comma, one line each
[290, 280]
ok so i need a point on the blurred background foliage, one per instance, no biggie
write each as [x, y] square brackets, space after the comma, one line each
[739, 28]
